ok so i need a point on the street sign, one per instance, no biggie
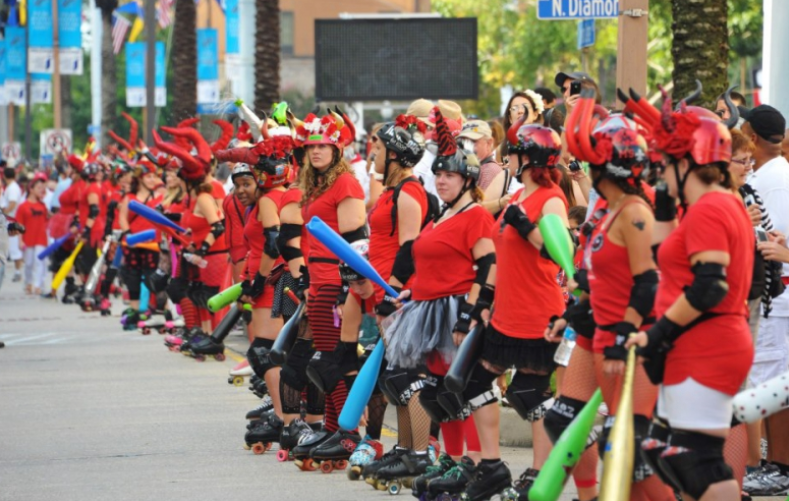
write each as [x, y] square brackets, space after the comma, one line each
[558, 10]
[53, 141]
[586, 33]
[12, 153]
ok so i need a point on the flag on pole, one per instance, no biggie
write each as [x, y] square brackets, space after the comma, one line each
[120, 26]
[165, 18]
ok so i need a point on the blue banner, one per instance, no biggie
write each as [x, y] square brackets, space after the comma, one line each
[135, 64]
[159, 74]
[2, 62]
[207, 56]
[69, 24]
[135, 74]
[16, 53]
[39, 21]
[231, 27]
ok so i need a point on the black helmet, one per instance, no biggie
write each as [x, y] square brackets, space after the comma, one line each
[402, 143]
[465, 164]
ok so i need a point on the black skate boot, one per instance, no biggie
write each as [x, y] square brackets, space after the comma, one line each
[370, 472]
[453, 482]
[69, 291]
[397, 474]
[258, 386]
[419, 488]
[205, 346]
[290, 436]
[301, 453]
[333, 454]
[257, 413]
[174, 341]
[489, 479]
[520, 489]
[262, 436]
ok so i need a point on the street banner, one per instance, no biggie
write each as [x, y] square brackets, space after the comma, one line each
[232, 47]
[40, 52]
[135, 75]
[3, 97]
[40, 88]
[207, 66]
[15, 60]
[70, 37]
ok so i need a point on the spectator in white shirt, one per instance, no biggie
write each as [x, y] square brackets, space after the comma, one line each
[9, 201]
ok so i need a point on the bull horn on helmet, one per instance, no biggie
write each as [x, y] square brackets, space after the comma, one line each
[692, 97]
[734, 112]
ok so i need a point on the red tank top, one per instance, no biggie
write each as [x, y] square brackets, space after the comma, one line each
[384, 243]
[527, 291]
[200, 229]
[253, 235]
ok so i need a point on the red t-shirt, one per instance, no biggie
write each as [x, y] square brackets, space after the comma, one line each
[718, 352]
[97, 231]
[325, 207]
[33, 215]
[383, 244]
[234, 227]
[254, 238]
[527, 293]
[442, 254]
[69, 199]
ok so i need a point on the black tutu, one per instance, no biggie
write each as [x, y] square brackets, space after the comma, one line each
[511, 352]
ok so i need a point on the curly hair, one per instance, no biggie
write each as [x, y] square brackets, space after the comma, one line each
[313, 186]
[545, 176]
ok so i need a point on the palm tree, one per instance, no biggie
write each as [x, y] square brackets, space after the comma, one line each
[184, 56]
[108, 76]
[701, 48]
[266, 54]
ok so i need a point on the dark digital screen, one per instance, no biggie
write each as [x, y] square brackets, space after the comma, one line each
[396, 59]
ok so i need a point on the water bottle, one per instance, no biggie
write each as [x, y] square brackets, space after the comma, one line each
[565, 349]
[195, 260]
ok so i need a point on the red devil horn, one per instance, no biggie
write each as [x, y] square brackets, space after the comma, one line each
[133, 127]
[120, 140]
[512, 134]
[447, 146]
[225, 137]
[245, 155]
[176, 151]
[203, 150]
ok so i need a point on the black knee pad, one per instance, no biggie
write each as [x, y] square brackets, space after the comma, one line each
[560, 415]
[428, 399]
[316, 401]
[399, 385]
[259, 356]
[695, 461]
[455, 408]
[157, 280]
[203, 293]
[480, 382]
[529, 394]
[294, 372]
[176, 289]
[324, 371]
[653, 445]
[347, 356]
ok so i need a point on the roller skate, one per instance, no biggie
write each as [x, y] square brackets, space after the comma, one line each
[291, 434]
[89, 303]
[370, 472]
[200, 348]
[333, 454]
[175, 341]
[238, 373]
[366, 452]
[258, 386]
[130, 319]
[150, 325]
[258, 412]
[268, 431]
[420, 485]
[401, 473]
[453, 482]
[520, 489]
[105, 307]
[69, 291]
[489, 479]
[301, 453]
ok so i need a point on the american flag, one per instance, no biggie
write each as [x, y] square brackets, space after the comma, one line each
[120, 26]
[165, 18]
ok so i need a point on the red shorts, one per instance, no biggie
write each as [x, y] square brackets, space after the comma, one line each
[237, 254]
[265, 300]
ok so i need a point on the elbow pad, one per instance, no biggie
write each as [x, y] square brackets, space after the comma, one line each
[217, 229]
[403, 267]
[359, 233]
[643, 292]
[483, 268]
[709, 286]
[288, 232]
[270, 245]
[93, 211]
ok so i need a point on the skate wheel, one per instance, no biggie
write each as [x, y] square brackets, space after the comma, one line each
[394, 488]
[238, 381]
[269, 445]
[308, 465]
[354, 473]
[199, 358]
[258, 448]
[341, 464]
[327, 467]
[146, 331]
[220, 357]
[247, 447]
[282, 455]
[381, 485]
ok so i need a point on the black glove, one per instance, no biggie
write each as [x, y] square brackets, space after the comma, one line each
[387, 306]
[74, 222]
[343, 295]
[246, 288]
[581, 318]
[463, 324]
[516, 218]
[661, 338]
[618, 350]
[303, 282]
[582, 279]
[484, 302]
[203, 250]
[86, 233]
[665, 205]
[256, 288]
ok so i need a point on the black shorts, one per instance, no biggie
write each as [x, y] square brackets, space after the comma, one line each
[510, 352]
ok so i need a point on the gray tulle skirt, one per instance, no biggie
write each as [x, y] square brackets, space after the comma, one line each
[419, 328]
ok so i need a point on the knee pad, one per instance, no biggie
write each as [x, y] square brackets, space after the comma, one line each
[428, 399]
[695, 461]
[204, 293]
[399, 385]
[560, 415]
[529, 394]
[347, 356]
[323, 371]
[480, 382]
[652, 446]
[259, 356]
[157, 281]
[176, 289]
[455, 408]
[294, 372]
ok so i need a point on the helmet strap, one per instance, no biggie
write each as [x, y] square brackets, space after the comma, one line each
[681, 186]
[521, 167]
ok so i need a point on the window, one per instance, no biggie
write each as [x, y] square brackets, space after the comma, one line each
[286, 32]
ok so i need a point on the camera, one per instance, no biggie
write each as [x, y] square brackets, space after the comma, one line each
[16, 227]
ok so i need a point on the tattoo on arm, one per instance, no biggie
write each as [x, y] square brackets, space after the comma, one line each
[640, 224]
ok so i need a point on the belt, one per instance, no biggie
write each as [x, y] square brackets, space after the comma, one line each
[326, 260]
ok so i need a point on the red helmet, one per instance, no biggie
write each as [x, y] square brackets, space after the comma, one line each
[621, 147]
[542, 144]
[711, 143]
[334, 129]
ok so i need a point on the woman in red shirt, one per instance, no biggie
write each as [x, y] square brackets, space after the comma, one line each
[527, 297]
[621, 273]
[92, 217]
[394, 225]
[67, 220]
[138, 263]
[203, 217]
[331, 192]
[700, 349]
[422, 331]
